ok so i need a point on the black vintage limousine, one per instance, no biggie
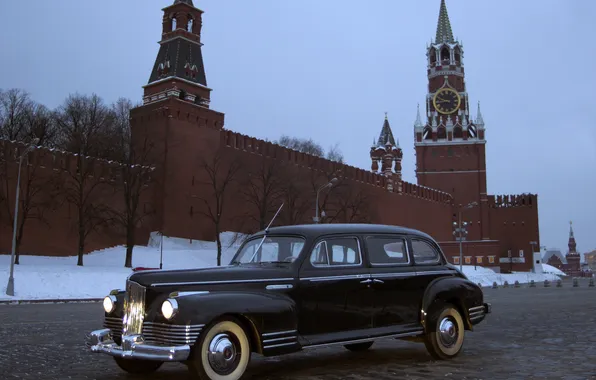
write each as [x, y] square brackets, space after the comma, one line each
[288, 289]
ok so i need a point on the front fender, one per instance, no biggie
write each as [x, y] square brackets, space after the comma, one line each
[263, 313]
[461, 292]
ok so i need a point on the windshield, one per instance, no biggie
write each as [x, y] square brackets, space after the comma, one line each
[269, 249]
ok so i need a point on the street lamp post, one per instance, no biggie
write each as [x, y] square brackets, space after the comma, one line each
[10, 285]
[462, 232]
[316, 219]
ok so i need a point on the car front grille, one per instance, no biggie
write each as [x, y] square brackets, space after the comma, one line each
[134, 309]
[159, 333]
[171, 335]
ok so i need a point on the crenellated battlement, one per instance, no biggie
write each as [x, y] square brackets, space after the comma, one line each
[427, 193]
[254, 145]
[509, 201]
[59, 160]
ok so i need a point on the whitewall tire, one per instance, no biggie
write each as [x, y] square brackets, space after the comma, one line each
[222, 352]
[445, 338]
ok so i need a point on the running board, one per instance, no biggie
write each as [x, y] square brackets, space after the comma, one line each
[363, 340]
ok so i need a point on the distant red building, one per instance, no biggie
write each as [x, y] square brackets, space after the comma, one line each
[450, 159]
[570, 264]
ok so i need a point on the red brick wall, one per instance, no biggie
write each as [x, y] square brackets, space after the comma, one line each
[56, 234]
[514, 222]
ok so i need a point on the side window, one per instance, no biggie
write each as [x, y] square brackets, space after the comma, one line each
[387, 251]
[336, 252]
[424, 253]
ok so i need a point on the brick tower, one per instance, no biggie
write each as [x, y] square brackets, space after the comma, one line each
[178, 70]
[386, 150]
[450, 145]
[572, 256]
[176, 121]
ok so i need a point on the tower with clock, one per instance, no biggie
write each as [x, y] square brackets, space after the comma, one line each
[449, 142]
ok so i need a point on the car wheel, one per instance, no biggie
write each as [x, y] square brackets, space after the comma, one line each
[221, 353]
[445, 337]
[137, 366]
[359, 346]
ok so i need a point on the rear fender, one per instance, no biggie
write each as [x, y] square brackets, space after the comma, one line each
[455, 290]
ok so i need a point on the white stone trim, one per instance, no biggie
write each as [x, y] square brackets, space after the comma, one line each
[453, 172]
[173, 77]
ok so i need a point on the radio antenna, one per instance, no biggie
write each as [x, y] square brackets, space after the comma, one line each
[274, 216]
[266, 232]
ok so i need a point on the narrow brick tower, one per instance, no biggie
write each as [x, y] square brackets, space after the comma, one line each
[386, 151]
[450, 145]
[572, 256]
[176, 121]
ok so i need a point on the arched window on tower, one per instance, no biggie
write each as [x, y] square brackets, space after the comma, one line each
[445, 56]
[427, 134]
[441, 133]
[174, 23]
[432, 57]
[457, 55]
[458, 132]
[182, 94]
[190, 24]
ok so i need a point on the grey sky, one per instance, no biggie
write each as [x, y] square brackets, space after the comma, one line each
[330, 69]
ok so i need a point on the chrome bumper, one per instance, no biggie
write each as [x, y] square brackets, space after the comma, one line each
[133, 347]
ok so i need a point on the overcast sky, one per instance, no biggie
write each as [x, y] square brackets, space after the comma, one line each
[330, 69]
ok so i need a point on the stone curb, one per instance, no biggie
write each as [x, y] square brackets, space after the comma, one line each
[50, 301]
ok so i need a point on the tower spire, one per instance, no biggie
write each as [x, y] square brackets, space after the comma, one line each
[571, 244]
[444, 32]
[479, 118]
[188, 2]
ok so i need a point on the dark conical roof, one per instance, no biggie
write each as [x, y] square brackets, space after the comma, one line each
[189, 2]
[386, 134]
[444, 32]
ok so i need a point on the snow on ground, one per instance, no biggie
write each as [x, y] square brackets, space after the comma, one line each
[550, 269]
[40, 277]
[486, 276]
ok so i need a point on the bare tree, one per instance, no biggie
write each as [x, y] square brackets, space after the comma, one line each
[335, 154]
[353, 206]
[263, 190]
[219, 178]
[23, 119]
[86, 128]
[134, 176]
[15, 104]
[302, 145]
[296, 200]
[37, 195]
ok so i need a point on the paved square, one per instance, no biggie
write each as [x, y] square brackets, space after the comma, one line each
[533, 333]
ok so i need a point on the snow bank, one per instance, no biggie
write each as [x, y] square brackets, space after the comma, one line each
[486, 276]
[550, 269]
[39, 277]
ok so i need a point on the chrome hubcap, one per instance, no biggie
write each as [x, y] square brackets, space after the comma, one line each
[223, 354]
[447, 332]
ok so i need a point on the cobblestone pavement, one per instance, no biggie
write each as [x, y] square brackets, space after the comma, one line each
[533, 333]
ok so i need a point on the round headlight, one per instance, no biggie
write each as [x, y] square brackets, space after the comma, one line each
[109, 304]
[169, 308]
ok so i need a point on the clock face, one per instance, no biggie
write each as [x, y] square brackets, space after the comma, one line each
[446, 101]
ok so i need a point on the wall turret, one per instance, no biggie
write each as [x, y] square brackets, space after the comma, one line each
[388, 154]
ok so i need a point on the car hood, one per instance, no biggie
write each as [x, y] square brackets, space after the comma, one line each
[215, 275]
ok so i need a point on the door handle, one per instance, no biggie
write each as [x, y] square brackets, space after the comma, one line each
[377, 281]
[367, 281]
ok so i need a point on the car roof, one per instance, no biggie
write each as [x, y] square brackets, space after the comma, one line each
[337, 228]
